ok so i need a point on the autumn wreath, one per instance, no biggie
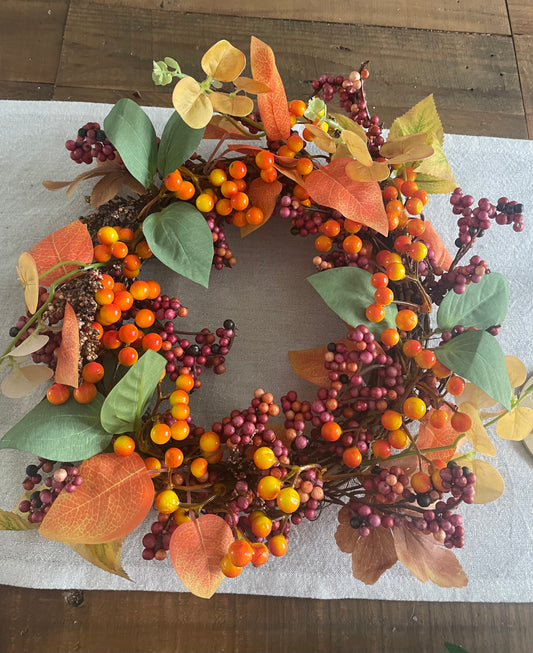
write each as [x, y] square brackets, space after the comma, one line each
[397, 399]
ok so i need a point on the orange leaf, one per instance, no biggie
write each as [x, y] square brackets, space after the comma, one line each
[309, 363]
[432, 238]
[234, 105]
[251, 85]
[114, 498]
[357, 201]
[68, 353]
[263, 195]
[70, 243]
[291, 173]
[426, 559]
[221, 127]
[273, 105]
[196, 550]
[429, 436]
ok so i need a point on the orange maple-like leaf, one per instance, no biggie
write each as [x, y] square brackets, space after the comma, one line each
[429, 436]
[114, 498]
[68, 353]
[357, 201]
[432, 238]
[196, 550]
[263, 195]
[273, 105]
[426, 559]
[70, 243]
[309, 363]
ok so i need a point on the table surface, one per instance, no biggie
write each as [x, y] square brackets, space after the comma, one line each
[477, 58]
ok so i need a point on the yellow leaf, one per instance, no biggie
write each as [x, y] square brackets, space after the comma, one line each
[357, 147]
[516, 371]
[437, 165]
[341, 152]
[348, 124]
[477, 434]
[251, 85]
[191, 103]
[29, 278]
[432, 184]
[234, 105]
[477, 397]
[106, 556]
[422, 118]
[376, 172]
[489, 484]
[516, 425]
[321, 139]
[223, 61]
[23, 380]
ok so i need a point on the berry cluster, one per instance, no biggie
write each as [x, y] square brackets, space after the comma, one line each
[91, 143]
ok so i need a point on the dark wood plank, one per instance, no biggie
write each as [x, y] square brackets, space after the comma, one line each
[521, 16]
[26, 91]
[482, 16]
[109, 622]
[31, 33]
[481, 96]
[524, 56]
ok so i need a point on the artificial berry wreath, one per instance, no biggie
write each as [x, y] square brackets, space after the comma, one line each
[382, 438]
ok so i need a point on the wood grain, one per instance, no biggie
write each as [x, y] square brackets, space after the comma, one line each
[483, 16]
[31, 33]
[521, 16]
[109, 622]
[524, 54]
[481, 96]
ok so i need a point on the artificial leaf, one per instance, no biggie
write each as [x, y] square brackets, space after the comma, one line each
[110, 184]
[309, 363]
[251, 85]
[68, 353]
[378, 171]
[223, 61]
[478, 357]
[433, 184]
[357, 201]
[191, 103]
[489, 483]
[433, 240]
[429, 436]
[180, 238]
[426, 559]
[33, 343]
[482, 305]
[515, 425]
[220, 127]
[272, 105]
[265, 196]
[178, 143]
[29, 278]
[477, 397]
[9, 521]
[131, 131]
[234, 105]
[322, 139]
[348, 124]
[196, 550]
[422, 118]
[348, 292]
[477, 434]
[516, 371]
[21, 381]
[403, 149]
[125, 405]
[357, 147]
[105, 555]
[291, 173]
[70, 431]
[316, 109]
[114, 498]
[70, 243]
[99, 171]
[437, 166]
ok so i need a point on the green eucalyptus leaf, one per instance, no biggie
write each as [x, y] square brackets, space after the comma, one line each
[478, 357]
[125, 405]
[178, 143]
[169, 61]
[482, 305]
[180, 238]
[131, 131]
[348, 292]
[70, 431]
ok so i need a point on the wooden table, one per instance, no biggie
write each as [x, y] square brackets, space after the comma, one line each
[476, 56]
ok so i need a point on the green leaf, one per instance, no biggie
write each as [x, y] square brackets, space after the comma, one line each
[478, 357]
[482, 305]
[348, 292]
[178, 143]
[124, 406]
[180, 238]
[71, 431]
[432, 184]
[132, 133]
[437, 166]
[422, 118]
[453, 648]
[9, 521]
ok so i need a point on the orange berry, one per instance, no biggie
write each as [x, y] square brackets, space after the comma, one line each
[107, 281]
[128, 356]
[418, 251]
[384, 296]
[154, 289]
[119, 250]
[295, 142]
[104, 296]
[440, 370]
[439, 418]
[209, 442]
[58, 394]
[395, 271]
[179, 430]
[102, 253]
[390, 337]
[261, 526]
[331, 228]
[406, 319]
[352, 457]
[269, 175]
[414, 408]
[152, 463]
[260, 554]
[391, 420]
[239, 219]
[85, 393]
[455, 386]
[269, 487]
[124, 300]
[139, 290]
[352, 244]
[461, 422]
[152, 341]
[409, 188]
[239, 201]
[99, 330]
[323, 243]
[93, 372]
[240, 553]
[402, 244]
[264, 458]
[286, 151]
[129, 274]
[237, 169]
[389, 193]
[125, 234]
[173, 180]
[398, 439]
[254, 215]
[109, 314]
[300, 192]
[375, 313]
[111, 340]
[425, 359]
[414, 205]
[198, 467]
[223, 206]
[421, 482]
[144, 318]
[180, 411]
[304, 166]
[185, 382]
[331, 431]
[186, 190]
[124, 446]
[173, 457]
[381, 449]
[107, 235]
[167, 501]
[128, 333]
[411, 348]
[416, 226]
[379, 280]
[160, 433]
[422, 195]
[217, 177]
[228, 568]
[228, 189]
[178, 397]
[264, 159]
[143, 250]
[288, 500]
[132, 262]
[278, 545]
[297, 107]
